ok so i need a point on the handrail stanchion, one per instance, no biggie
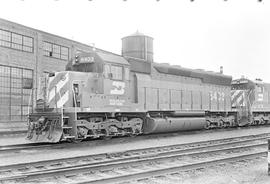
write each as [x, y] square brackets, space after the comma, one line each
[75, 104]
[268, 157]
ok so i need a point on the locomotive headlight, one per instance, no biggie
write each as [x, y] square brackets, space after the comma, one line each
[63, 78]
[41, 120]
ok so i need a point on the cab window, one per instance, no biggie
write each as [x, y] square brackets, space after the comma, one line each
[259, 89]
[126, 74]
[107, 71]
[117, 72]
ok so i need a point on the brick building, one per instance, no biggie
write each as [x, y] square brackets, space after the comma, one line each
[25, 54]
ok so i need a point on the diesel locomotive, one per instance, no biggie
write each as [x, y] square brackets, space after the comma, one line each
[102, 95]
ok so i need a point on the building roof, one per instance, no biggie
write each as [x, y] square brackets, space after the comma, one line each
[54, 35]
[136, 34]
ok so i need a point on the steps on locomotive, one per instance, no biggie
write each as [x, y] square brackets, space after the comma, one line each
[65, 122]
[66, 128]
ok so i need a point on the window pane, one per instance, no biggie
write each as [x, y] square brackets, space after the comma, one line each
[27, 73]
[25, 110]
[16, 72]
[12, 96]
[27, 49]
[4, 71]
[16, 113]
[16, 100]
[16, 38]
[4, 43]
[120, 73]
[126, 73]
[64, 53]
[16, 46]
[117, 72]
[64, 57]
[107, 70]
[5, 35]
[56, 51]
[27, 41]
[25, 100]
[47, 47]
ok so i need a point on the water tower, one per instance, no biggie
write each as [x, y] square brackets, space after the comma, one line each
[139, 46]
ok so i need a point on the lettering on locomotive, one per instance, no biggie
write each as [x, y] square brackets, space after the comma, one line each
[118, 88]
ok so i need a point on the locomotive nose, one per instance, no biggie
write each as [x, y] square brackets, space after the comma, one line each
[44, 128]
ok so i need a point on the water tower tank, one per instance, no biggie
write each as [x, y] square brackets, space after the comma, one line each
[139, 46]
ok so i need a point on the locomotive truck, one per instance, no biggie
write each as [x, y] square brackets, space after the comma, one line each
[102, 94]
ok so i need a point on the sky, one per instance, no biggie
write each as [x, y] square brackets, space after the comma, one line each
[203, 34]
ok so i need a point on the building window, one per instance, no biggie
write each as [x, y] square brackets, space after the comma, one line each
[47, 47]
[15, 100]
[27, 44]
[16, 41]
[55, 51]
[64, 53]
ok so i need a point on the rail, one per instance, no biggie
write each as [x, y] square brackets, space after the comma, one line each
[180, 156]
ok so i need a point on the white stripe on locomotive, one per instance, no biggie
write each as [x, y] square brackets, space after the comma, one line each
[235, 93]
[58, 87]
[63, 99]
[59, 95]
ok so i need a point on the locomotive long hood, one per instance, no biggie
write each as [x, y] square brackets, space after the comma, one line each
[206, 77]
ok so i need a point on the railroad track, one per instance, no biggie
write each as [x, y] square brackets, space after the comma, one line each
[21, 147]
[39, 146]
[113, 167]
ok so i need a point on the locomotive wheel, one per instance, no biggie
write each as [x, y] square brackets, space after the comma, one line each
[261, 122]
[207, 126]
[132, 132]
[221, 124]
[132, 135]
[106, 135]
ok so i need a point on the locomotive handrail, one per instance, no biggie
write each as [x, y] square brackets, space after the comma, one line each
[62, 110]
[55, 98]
[29, 101]
[75, 104]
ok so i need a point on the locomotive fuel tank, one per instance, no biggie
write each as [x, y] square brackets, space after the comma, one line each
[173, 124]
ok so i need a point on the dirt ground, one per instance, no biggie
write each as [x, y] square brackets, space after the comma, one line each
[244, 172]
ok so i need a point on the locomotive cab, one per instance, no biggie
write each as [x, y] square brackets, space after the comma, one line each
[104, 82]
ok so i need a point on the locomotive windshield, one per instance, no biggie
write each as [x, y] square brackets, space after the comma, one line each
[239, 86]
[86, 67]
[85, 62]
[242, 84]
